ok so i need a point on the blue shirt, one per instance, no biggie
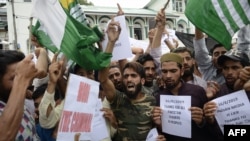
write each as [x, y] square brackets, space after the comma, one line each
[45, 134]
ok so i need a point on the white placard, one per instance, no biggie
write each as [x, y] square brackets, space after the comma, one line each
[233, 109]
[152, 135]
[99, 127]
[122, 49]
[176, 116]
[79, 108]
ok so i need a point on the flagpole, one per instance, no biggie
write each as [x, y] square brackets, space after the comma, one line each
[164, 7]
[30, 34]
[166, 4]
[14, 25]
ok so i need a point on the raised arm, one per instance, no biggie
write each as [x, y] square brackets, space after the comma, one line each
[113, 32]
[155, 48]
[151, 35]
[49, 114]
[137, 51]
[11, 117]
[121, 62]
[201, 52]
[160, 25]
[171, 45]
[42, 62]
[198, 34]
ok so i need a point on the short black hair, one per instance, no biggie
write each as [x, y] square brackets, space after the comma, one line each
[144, 58]
[137, 67]
[182, 50]
[41, 90]
[114, 66]
[8, 57]
[75, 67]
[214, 47]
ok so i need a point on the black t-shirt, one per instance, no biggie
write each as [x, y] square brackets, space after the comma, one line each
[198, 99]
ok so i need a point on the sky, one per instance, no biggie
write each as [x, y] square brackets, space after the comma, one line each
[123, 3]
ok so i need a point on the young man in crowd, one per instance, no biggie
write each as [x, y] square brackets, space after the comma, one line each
[115, 76]
[149, 65]
[207, 64]
[43, 133]
[16, 74]
[232, 63]
[172, 72]
[188, 66]
[132, 108]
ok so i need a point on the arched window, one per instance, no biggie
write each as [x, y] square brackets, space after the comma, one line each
[169, 24]
[182, 26]
[139, 31]
[90, 20]
[103, 22]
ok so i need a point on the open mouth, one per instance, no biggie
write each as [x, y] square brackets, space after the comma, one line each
[130, 86]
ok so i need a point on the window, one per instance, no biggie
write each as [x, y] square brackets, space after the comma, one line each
[180, 28]
[90, 20]
[177, 5]
[169, 24]
[137, 31]
[103, 22]
[139, 28]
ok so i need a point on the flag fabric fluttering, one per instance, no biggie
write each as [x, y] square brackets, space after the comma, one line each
[187, 40]
[74, 9]
[219, 19]
[43, 38]
[57, 30]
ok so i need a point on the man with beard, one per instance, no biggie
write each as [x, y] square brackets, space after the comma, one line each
[233, 63]
[148, 63]
[116, 77]
[133, 107]
[188, 66]
[16, 74]
[172, 71]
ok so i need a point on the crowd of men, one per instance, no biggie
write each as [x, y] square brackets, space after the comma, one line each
[32, 95]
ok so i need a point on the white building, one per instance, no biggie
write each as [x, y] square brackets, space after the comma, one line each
[139, 20]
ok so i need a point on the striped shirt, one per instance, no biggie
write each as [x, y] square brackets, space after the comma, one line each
[27, 130]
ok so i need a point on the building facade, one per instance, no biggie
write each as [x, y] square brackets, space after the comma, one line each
[139, 20]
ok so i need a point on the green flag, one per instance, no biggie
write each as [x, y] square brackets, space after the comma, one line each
[75, 39]
[219, 19]
[43, 37]
[74, 9]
